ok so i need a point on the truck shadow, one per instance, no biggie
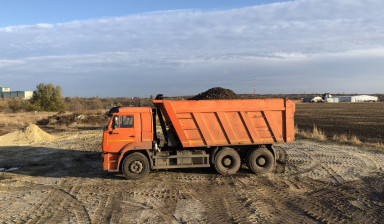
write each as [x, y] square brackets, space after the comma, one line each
[54, 162]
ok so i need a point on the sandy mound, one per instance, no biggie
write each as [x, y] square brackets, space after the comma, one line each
[216, 93]
[28, 135]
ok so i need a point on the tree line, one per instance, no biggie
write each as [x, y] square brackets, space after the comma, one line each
[48, 97]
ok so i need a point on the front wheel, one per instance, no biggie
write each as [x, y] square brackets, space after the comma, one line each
[260, 160]
[227, 161]
[135, 166]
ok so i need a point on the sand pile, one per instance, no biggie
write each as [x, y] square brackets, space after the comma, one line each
[28, 135]
[216, 93]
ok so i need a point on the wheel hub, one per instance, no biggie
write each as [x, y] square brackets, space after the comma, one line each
[227, 162]
[261, 161]
[136, 167]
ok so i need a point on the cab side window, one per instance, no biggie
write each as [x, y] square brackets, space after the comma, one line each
[126, 121]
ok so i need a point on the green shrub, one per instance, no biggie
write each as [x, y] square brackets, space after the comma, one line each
[47, 97]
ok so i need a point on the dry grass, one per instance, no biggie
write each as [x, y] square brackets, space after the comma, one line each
[13, 121]
[10, 122]
[347, 139]
[318, 134]
[315, 134]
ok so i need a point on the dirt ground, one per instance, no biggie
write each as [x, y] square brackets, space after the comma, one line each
[61, 181]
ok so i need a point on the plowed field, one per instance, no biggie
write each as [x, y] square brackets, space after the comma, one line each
[61, 181]
[364, 120]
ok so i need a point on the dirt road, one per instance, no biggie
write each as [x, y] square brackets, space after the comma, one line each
[61, 181]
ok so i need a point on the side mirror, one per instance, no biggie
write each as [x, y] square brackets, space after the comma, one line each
[115, 122]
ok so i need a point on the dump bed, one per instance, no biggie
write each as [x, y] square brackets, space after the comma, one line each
[205, 123]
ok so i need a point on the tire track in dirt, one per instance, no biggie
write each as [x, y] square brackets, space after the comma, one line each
[333, 174]
[325, 202]
[266, 197]
[163, 197]
[303, 159]
[253, 200]
[314, 183]
[72, 189]
[298, 162]
[146, 204]
[341, 202]
[212, 203]
[220, 206]
[331, 201]
[57, 205]
[109, 207]
[101, 209]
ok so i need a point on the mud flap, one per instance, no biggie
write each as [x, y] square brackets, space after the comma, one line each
[273, 151]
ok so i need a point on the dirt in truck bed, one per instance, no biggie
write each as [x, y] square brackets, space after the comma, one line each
[61, 181]
[216, 93]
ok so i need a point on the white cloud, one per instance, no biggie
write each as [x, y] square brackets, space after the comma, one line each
[213, 47]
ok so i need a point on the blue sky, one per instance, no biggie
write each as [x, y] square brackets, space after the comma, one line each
[29, 12]
[141, 48]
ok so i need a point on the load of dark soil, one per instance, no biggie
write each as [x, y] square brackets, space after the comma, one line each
[216, 93]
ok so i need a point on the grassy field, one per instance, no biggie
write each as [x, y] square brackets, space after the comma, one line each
[53, 121]
[363, 120]
[13, 121]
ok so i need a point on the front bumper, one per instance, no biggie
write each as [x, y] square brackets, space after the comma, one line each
[110, 162]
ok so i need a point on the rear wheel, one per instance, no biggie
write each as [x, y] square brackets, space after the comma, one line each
[261, 160]
[135, 166]
[227, 161]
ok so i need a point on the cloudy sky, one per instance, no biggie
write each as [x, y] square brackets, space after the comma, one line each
[141, 48]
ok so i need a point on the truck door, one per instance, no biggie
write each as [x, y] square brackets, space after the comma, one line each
[124, 129]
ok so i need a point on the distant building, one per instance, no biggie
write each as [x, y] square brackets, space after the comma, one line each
[326, 97]
[5, 89]
[314, 99]
[6, 93]
[351, 99]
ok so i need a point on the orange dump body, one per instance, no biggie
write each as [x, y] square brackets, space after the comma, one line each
[205, 123]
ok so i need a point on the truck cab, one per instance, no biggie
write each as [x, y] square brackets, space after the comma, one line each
[129, 130]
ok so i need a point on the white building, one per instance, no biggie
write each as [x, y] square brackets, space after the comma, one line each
[351, 99]
[5, 89]
[314, 99]
[28, 95]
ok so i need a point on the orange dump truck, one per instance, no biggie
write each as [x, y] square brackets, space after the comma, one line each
[197, 133]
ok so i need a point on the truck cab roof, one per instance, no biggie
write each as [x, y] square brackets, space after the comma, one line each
[115, 110]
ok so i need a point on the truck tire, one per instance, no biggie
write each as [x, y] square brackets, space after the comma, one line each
[227, 161]
[135, 166]
[260, 160]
